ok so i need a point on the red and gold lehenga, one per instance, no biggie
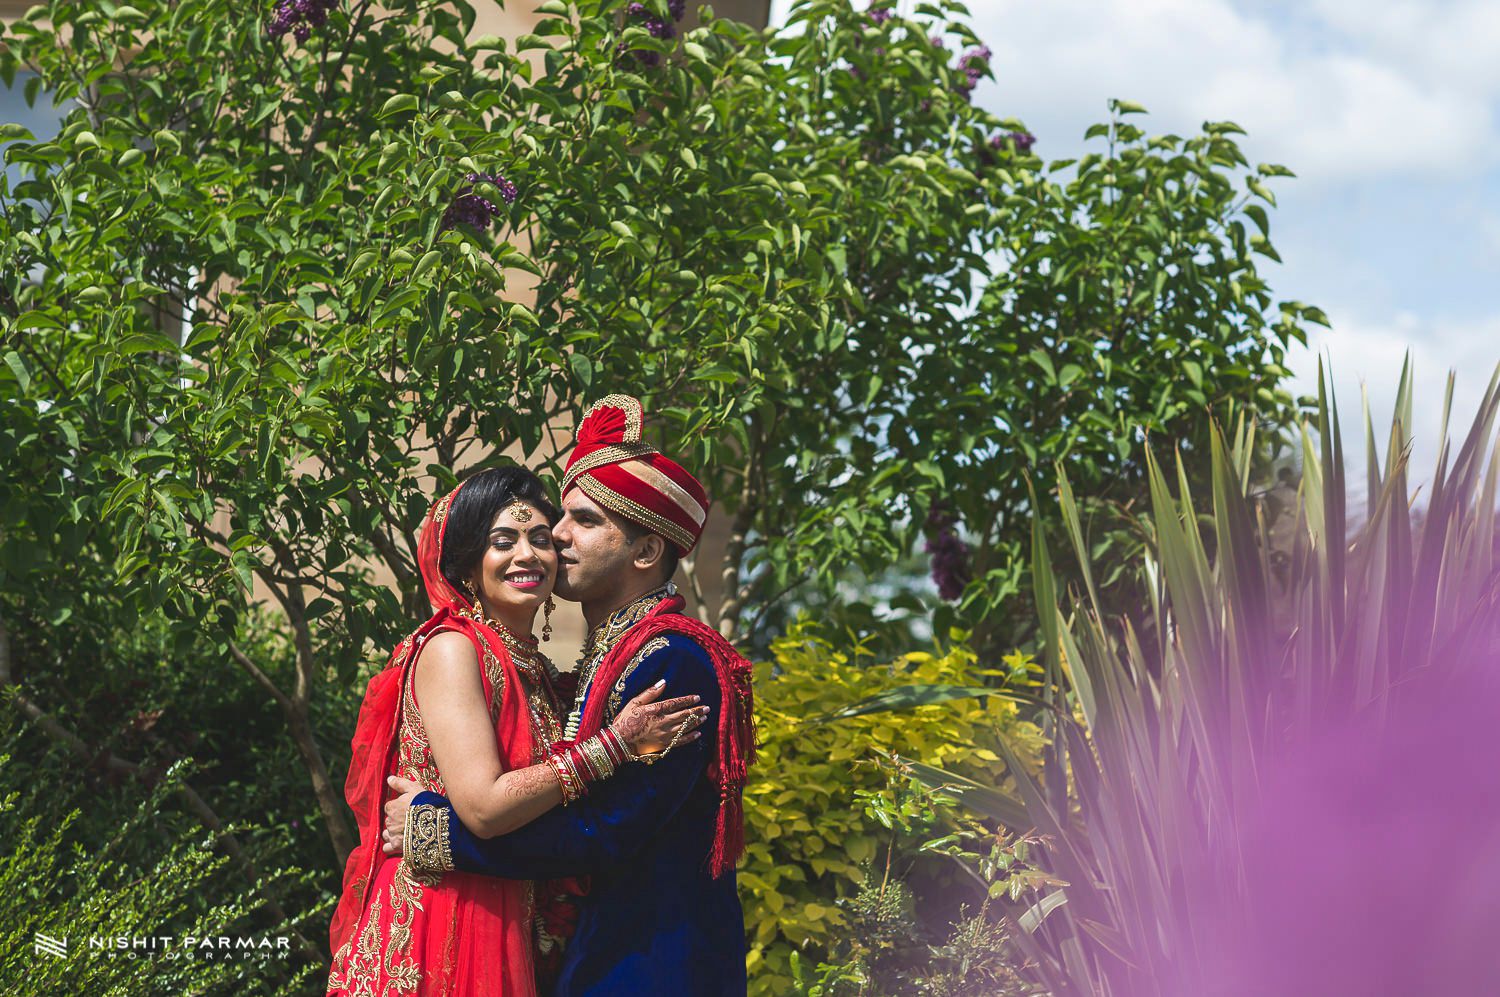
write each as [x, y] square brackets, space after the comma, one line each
[399, 931]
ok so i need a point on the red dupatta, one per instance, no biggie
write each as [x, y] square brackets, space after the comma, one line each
[376, 734]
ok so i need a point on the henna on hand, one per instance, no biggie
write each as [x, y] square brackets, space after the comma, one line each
[648, 727]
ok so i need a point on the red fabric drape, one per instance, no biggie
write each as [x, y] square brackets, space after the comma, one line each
[480, 942]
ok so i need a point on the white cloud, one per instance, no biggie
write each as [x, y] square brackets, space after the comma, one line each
[1350, 105]
[1456, 42]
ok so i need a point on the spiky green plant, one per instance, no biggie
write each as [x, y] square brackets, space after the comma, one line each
[1165, 726]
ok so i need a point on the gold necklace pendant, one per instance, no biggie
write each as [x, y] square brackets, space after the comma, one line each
[518, 646]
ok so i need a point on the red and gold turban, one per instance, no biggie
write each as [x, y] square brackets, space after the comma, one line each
[613, 467]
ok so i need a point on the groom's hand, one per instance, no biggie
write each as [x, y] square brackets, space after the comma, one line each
[392, 838]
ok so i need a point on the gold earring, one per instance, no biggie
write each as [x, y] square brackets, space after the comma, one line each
[469, 588]
[547, 609]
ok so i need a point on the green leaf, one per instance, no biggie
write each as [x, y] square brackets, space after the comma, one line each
[982, 799]
[1043, 360]
[18, 367]
[429, 260]
[364, 261]
[1260, 190]
[400, 103]
[583, 368]
[1033, 916]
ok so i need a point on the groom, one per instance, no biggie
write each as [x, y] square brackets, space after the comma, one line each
[658, 842]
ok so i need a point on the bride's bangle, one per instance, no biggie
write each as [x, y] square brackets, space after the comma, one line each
[586, 762]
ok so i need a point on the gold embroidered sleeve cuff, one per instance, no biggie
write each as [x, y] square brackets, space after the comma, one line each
[427, 848]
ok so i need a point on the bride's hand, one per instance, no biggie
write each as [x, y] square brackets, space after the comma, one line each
[646, 726]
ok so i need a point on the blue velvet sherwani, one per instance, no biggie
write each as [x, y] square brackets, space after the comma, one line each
[654, 921]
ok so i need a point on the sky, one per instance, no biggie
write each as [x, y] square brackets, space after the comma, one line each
[1387, 110]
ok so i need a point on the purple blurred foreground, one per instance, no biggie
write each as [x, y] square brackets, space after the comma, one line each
[1282, 778]
[1374, 866]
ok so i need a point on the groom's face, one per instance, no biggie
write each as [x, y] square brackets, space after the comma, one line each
[594, 553]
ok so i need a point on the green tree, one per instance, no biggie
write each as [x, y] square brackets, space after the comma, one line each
[1126, 303]
[255, 312]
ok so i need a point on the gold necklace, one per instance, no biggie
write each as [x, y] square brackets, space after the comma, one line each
[521, 648]
[602, 639]
[607, 634]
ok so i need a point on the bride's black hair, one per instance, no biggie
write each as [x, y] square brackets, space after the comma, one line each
[473, 510]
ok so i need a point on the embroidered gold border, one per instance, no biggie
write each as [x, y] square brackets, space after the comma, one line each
[613, 454]
[617, 694]
[441, 512]
[601, 640]
[497, 681]
[427, 845]
[634, 511]
[414, 757]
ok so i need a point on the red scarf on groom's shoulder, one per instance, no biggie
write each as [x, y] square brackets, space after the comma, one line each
[736, 714]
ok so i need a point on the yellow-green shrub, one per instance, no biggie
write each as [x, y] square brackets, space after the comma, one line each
[808, 838]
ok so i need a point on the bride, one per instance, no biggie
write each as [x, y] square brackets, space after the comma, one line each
[467, 708]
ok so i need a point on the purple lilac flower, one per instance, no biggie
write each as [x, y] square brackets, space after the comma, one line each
[644, 57]
[299, 17]
[949, 554]
[653, 24]
[474, 210]
[937, 41]
[655, 27]
[677, 8]
[1019, 141]
[974, 63]
[878, 15]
